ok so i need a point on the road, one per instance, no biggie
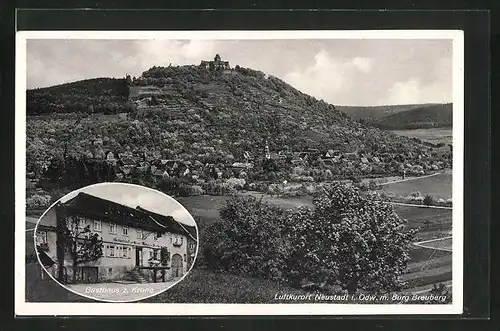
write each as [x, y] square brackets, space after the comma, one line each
[411, 178]
[414, 205]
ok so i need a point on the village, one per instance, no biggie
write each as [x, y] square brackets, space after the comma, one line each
[311, 165]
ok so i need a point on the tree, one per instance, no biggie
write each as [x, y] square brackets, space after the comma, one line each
[79, 242]
[154, 100]
[56, 169]
[269, 165]
[347, 241]
[441, 290]
[248, 240]
[428, 200]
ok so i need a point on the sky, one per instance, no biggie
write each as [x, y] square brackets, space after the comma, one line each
[365, 72]
[133, 196]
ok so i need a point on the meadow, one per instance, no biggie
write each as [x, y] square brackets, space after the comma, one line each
[431, 223]
[439, 186]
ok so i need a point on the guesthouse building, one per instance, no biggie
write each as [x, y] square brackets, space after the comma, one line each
[135, 243]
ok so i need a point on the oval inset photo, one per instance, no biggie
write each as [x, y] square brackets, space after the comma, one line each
[116, 242]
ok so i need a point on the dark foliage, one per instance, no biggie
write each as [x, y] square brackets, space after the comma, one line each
[92, 95]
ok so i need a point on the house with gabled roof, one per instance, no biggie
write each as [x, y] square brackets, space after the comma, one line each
[133, 240]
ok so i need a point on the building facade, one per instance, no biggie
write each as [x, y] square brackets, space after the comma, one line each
[216, 65]
[135, 242]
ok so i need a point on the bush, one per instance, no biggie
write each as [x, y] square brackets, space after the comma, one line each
[57, 193]
[218, 189]
[373, 185]
[303, 178]
[237, 183]
[355, 179]
[428, 200]
[194, 190]
[38, 201]
[441, 290]
[274, 189]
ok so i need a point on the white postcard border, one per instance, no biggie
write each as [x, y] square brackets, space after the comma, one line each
[23, 308]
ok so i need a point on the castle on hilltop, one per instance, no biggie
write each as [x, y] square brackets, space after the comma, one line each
[216, 65]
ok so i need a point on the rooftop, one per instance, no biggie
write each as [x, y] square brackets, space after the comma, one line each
[92, 206]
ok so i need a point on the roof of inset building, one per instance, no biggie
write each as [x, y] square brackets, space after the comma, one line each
[170, 223]
[91, 206]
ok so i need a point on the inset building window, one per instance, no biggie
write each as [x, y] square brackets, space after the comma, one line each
[81, 223]
[178, 241]
[41, 237]
[125, 230]
[139, 233]
[112, 251]
[97, 225]
[112, 228]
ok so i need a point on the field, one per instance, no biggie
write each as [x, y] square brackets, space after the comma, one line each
[431, 223]
[206, 207]
[434, 135]
[439, 186]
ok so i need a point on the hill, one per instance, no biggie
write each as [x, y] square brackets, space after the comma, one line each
[400, 117]
[202, 116]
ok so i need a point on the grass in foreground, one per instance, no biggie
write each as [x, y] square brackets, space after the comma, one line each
[203, 286]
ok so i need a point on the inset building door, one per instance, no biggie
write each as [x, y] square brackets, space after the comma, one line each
[89, 274]
[138, 257]
[176, 265]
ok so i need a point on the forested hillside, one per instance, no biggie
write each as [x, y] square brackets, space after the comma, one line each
[202, 117]
[401, 117]
[90, 95]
